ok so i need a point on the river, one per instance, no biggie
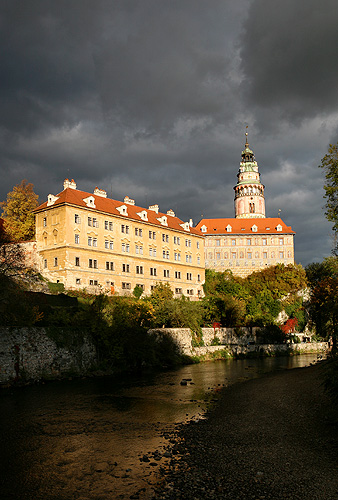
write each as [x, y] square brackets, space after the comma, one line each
[106, 438]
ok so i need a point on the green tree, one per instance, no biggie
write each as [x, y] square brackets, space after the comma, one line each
[18, 213]
[330, 164]
[324, 309]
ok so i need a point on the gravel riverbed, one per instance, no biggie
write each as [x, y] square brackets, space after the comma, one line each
[270, 438]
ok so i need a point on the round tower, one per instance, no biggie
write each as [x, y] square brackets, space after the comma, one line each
[249, 191]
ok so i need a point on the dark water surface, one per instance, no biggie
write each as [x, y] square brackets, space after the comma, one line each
[96, 438]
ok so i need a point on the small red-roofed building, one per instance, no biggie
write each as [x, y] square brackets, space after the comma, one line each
[87, 240]
[249, 241]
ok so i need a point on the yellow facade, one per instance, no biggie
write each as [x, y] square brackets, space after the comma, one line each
[88, 241]
[244, 255]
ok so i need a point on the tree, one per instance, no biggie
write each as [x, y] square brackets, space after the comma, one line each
[330, 164]
[18, 213]
[324, 309]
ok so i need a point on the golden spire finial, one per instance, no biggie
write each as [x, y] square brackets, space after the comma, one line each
[246, 136]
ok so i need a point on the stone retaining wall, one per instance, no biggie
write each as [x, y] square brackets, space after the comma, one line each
[29, 354]
[235, 341]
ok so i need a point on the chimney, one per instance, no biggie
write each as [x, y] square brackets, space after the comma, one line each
[129, 201]
[100, 192]
[69, 184]
[154, 208]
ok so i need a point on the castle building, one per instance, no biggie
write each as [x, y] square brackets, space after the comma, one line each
[250, 241]
[86, 240]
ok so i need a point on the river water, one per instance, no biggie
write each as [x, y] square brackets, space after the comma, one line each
[106, 438]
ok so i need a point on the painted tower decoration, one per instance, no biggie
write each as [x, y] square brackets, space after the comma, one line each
[249, 191]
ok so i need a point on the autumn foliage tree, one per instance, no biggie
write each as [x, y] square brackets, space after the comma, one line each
[19, 220]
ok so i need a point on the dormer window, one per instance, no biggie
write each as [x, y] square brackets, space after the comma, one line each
[163, 220]
[122, 209]
[228, 228]
[143, 215]
[186, 226]
[90, 201]
[279, 227]
[254, 228]
[51, 199]
[204, 229]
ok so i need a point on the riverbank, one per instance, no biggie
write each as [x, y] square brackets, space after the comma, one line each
[270, 438]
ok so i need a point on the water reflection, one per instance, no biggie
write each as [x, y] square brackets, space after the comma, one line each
[96, 438]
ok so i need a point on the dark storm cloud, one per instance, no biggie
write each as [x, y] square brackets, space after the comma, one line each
[288, 59]
[151, 98]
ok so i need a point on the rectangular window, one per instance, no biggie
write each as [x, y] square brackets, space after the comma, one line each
[248, 242]
[108, 225]
[166, 273]
[45, 263]
[153, 271]
[281, 241]
[126, 286]
[178, 275]
[150, 252]
[139, 269]
[198, 244]
[111, 245]
[90, 241]
[125, 268]
[90, 222]
[124, 229]
[249, 255]
[55, 261]
[189, 276]
[125, 247]
[94, 242]
[106, 244]
[110, 266]
[178, 291]
[233, 255]
[78, 281]
[265, 255]
[95, 222]
[138, 231]
[281, 255]
[77, 261]
[188, 243]
[152, 235]
[91, 282]
[95, 263]
[90, 263]
[77, 239]
[177, 240]
[198, 260]
[44, 221]
[264, 241]
[233, 243]
[198, 277]
[77, 219]
[218, 243]
[218, 256]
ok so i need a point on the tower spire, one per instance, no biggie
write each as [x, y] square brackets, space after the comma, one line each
[249, 191]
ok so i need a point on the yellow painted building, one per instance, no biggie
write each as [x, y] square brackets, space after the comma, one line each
[86, 240]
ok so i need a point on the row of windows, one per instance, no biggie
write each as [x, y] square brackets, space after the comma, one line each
[125, 247]
[92, 264]
[249, 255]
[108, 225]
[248, 242]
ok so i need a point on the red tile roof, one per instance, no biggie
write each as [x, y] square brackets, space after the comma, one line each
[243, 226]
[75, 197]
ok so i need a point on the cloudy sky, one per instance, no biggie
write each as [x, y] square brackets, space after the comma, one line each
[150, 98]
